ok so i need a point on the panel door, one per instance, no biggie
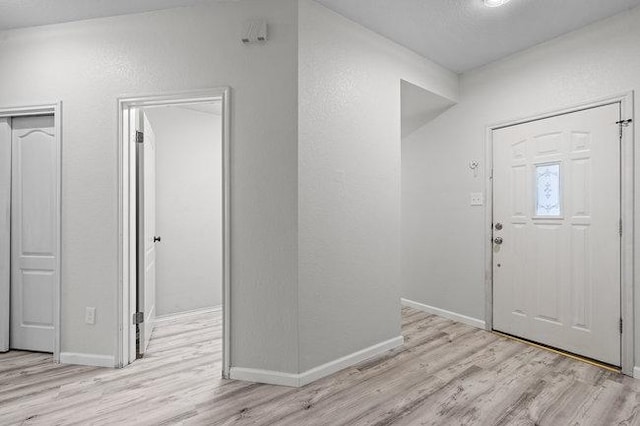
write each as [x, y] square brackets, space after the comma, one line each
[146, 233]
[556, 214]
[34, 251]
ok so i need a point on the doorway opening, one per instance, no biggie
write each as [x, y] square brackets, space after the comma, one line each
[30, 250]
[419, 109]
[560, 231]
[175, 223]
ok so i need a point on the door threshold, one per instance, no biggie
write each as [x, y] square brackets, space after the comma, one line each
[576, 357]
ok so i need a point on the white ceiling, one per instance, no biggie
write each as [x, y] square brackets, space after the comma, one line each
[459, 34]
[213, 108]
[464, 34]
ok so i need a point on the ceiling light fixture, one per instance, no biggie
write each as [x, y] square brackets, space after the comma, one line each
[495, 3]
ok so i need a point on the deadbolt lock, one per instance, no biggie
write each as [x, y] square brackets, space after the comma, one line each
[498, 226]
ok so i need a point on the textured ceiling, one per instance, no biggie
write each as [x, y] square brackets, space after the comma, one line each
[458, 34]
[464, 34]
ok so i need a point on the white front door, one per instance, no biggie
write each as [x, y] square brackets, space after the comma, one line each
[556, 218]
[146, 233]
[34, 252]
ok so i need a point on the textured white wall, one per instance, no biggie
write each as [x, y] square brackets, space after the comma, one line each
[443, 236]
[88, 65]
[349, 181]
[188, 209]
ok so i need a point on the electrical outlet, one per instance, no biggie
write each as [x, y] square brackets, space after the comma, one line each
[476, 199]
[90, 315]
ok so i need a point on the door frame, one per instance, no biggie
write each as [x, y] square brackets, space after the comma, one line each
[54, 109]
[629, 192]
[126, 226]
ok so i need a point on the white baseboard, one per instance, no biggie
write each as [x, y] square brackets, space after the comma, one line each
[301, 379]
[269, 377]
[178, 315]
[349, 360]
[87, 359]
[474, 322]
[636, 372]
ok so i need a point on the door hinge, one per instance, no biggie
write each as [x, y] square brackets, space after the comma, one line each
[623, 124]
[139, 137]
[620, 227]
[138, 318]
[620, 325]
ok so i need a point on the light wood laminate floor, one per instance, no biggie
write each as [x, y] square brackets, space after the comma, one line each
[446, 374]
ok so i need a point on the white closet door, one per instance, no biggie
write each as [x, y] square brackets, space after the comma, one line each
[5, 231]
[34, 254]
[556, 214]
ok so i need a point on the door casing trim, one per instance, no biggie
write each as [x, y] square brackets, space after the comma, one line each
[630, 193]
[125, 285]
[55, 109]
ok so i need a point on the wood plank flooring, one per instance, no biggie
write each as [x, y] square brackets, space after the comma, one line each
[446, 374]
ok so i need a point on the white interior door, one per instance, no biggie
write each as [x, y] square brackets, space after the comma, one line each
[556, 260]
[130, 254]
[34, 245]
[146, 233]
[5, 232]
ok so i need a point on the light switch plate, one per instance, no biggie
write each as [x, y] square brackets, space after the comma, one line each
[476, 199]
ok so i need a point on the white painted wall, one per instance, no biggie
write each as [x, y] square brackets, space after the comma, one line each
[349, 181]
[188, 208]
[88, 65]
[442, 235]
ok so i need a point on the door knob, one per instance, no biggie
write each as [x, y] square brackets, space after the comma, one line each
[157, 239]
[498, 240]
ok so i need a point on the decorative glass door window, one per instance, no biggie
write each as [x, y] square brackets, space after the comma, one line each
[547, 178]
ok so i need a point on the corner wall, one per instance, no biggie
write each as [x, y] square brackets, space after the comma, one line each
[349, 183]
[443, 234]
